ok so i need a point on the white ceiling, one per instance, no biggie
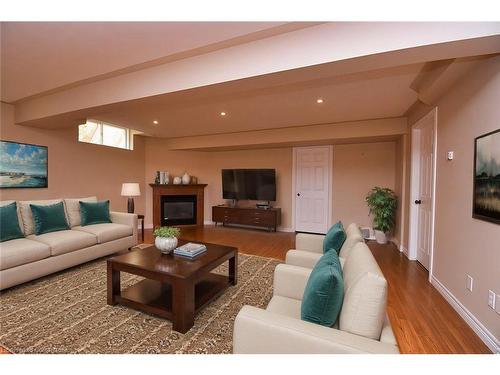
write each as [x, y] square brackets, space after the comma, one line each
[40, 56]
[368, 95]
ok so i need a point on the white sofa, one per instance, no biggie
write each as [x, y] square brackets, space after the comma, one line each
[362, 327]
[33, 256]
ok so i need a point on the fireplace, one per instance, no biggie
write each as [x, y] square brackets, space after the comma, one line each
[178, 204]
[178, 209]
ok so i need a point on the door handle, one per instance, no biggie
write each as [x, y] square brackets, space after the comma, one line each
[418, 201]
[298, 194]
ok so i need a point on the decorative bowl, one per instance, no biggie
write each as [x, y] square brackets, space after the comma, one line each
[166, 244]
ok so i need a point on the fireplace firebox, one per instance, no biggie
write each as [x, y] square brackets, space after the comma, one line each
[178, 209]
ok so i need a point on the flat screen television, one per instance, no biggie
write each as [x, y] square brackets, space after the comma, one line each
[249, 184]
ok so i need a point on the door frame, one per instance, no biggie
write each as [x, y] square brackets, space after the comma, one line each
[414, 188]
[330, 182]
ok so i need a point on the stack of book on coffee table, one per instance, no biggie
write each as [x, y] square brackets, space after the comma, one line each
[190, 250]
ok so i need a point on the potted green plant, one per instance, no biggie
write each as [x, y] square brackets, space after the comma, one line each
[166, 238]
[382, 203]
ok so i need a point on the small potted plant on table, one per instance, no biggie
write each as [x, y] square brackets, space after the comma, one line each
[382, 203]
[166, 238]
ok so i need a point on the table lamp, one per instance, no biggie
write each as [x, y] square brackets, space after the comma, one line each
[130, 190]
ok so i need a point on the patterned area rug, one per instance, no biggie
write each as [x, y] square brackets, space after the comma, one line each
[67, 313]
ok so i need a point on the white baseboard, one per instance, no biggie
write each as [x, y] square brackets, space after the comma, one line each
[486, 336]
[395, 242]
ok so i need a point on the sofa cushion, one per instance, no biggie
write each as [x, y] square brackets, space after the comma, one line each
[73, 209]
[19, 219]
[107, 231]
[353, 229]
[285, 306]
[65, 241]
[9, 224]
[21, 251]
[94, 212]
[350, 241]
[26, 215]
[50, 218]
[324, 291]
[334, 238]
[365, 299]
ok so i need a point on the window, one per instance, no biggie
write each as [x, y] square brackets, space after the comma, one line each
[101, 133]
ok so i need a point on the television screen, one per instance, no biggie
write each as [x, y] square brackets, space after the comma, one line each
[249, 184]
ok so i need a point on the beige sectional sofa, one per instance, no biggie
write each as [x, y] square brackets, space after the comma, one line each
[362, 327]
[33, 256]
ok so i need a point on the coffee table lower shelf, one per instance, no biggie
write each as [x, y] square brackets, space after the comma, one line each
[155, 297]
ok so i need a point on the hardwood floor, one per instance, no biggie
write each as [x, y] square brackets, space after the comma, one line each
[422, 320]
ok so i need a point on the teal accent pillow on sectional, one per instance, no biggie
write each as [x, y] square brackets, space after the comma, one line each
[335, 238]
[324, 292]
[9, 224]
[49, 218]
[95, 212]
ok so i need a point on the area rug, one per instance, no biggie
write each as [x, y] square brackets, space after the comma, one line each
[67, 313]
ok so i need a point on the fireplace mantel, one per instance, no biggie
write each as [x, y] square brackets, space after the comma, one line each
[160, 190]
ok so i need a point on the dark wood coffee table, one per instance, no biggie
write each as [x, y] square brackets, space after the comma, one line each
[174, 288]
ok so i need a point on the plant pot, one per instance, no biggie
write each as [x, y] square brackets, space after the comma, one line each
[380, 237]
[166, 244]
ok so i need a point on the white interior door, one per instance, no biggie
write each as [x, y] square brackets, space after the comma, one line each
[423, 199]
[312, 188]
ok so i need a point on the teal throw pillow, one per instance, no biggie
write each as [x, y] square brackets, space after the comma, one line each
[95, 212]
[9, 224]
[324, 292]
[335, 238]
[51, 218]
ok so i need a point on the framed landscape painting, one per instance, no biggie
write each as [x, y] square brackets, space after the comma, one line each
[486, 200]
[23, 165]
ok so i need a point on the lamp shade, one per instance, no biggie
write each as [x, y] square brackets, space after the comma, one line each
[131, 189]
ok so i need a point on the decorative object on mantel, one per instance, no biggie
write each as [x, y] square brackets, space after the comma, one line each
[194, 180]
[177, 180]
[166, 238]
[164, 177]
[130, 189]
[186, 179]
[486, 198]
[157, 178]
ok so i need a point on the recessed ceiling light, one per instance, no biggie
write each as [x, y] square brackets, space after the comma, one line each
[223, 113]
[319, 101]
[155, 122]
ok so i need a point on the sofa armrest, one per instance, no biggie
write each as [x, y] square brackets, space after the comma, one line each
[302, 258]
[309, 242]
[125, 219]
[258, 331]
[290, 281]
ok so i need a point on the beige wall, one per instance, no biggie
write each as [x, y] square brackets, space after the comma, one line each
[357, 168]
[77, 169]
[206, 166]
[464, 245]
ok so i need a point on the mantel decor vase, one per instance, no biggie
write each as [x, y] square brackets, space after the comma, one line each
[186, 179]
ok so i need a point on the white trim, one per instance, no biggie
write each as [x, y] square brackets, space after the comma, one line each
[404, 250]
[330, 183]
[486, 336]
[414, 183]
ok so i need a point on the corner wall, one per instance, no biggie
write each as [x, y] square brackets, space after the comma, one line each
[77, 169]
